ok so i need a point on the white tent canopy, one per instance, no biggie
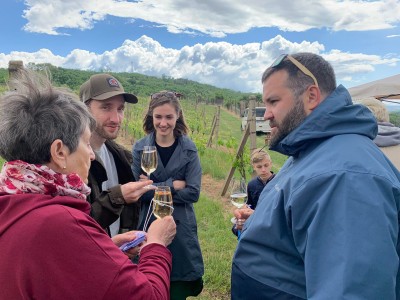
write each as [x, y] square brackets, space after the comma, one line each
[387, 88]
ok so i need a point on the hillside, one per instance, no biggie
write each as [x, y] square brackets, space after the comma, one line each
[144, 86]
[140, 85]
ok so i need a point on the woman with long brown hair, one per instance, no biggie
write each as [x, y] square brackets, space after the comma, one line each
[179, 168]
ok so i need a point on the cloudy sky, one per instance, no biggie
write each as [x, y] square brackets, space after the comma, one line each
[226, 43]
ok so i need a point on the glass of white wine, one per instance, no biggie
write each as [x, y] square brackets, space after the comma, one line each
[149, 159]
[162, 202]
[238, 197]
[161, 205]
[239, 192]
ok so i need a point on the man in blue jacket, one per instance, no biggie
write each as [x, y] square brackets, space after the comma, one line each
[327, 225]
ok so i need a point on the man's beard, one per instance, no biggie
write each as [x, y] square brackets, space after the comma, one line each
[106, 135]
[292, 120]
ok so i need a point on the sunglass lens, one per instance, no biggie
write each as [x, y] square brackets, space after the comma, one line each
[278, 61]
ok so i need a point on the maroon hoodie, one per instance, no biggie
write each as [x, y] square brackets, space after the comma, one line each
[50, 248]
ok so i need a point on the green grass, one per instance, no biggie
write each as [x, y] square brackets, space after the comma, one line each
[218, 245]
[216, 163]
[229, 126]
[218, 160]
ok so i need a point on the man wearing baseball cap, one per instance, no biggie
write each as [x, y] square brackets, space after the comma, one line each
[114, 193]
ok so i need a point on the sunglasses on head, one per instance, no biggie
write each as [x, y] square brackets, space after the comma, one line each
[298, 64]
[170, 95]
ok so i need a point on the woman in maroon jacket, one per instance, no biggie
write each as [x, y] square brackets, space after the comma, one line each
[50, 247]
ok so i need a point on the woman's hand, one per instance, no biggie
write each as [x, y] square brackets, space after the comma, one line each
[162, 231]
[122, 238]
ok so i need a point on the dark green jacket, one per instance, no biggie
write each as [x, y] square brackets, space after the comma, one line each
[107, 206]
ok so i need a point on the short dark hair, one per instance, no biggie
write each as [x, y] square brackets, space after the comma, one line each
[298, 81]
[36, 114]
[161, 98]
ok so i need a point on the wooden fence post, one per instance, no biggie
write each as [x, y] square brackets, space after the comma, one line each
[250, 130]
[251, 119]
[217, 124]
[214, 128]
[245, 135]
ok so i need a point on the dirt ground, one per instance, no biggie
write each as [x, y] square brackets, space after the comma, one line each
[210, 187]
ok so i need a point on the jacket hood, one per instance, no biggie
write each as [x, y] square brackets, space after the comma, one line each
[334, 116]
[15, 207]
[388, 135]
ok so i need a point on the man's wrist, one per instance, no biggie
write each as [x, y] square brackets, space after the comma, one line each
[116, 195]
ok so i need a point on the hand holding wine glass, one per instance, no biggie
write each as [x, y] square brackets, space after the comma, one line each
[242, 214]
[161, 231]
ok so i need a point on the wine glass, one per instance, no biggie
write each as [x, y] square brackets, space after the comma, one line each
[238, 197]
[239, 192]
[161, 205]
[149, 159]
[162, 202]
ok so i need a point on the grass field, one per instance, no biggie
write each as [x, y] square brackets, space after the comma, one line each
[217, 244]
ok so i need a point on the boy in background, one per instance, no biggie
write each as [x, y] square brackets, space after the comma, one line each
[261, 163]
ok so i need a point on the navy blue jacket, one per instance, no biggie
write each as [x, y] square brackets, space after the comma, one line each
[327, 225]
[184, 164]
[254, 189]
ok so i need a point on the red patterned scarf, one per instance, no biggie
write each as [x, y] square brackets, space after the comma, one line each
[18, 177]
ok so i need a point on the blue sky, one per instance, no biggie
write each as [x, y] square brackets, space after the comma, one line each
[224, 43]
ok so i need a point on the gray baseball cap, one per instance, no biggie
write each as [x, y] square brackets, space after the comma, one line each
[102, 87]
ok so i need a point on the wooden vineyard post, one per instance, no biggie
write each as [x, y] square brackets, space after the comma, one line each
[212, 131]
[214, 127]
[245, 135]
[252, 121]
[217, 124]
[250, 130]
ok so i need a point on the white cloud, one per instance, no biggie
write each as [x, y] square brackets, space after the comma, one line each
[215, 17]
[42, 56]
[349, 66]
[47, 16]
[222, 64]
